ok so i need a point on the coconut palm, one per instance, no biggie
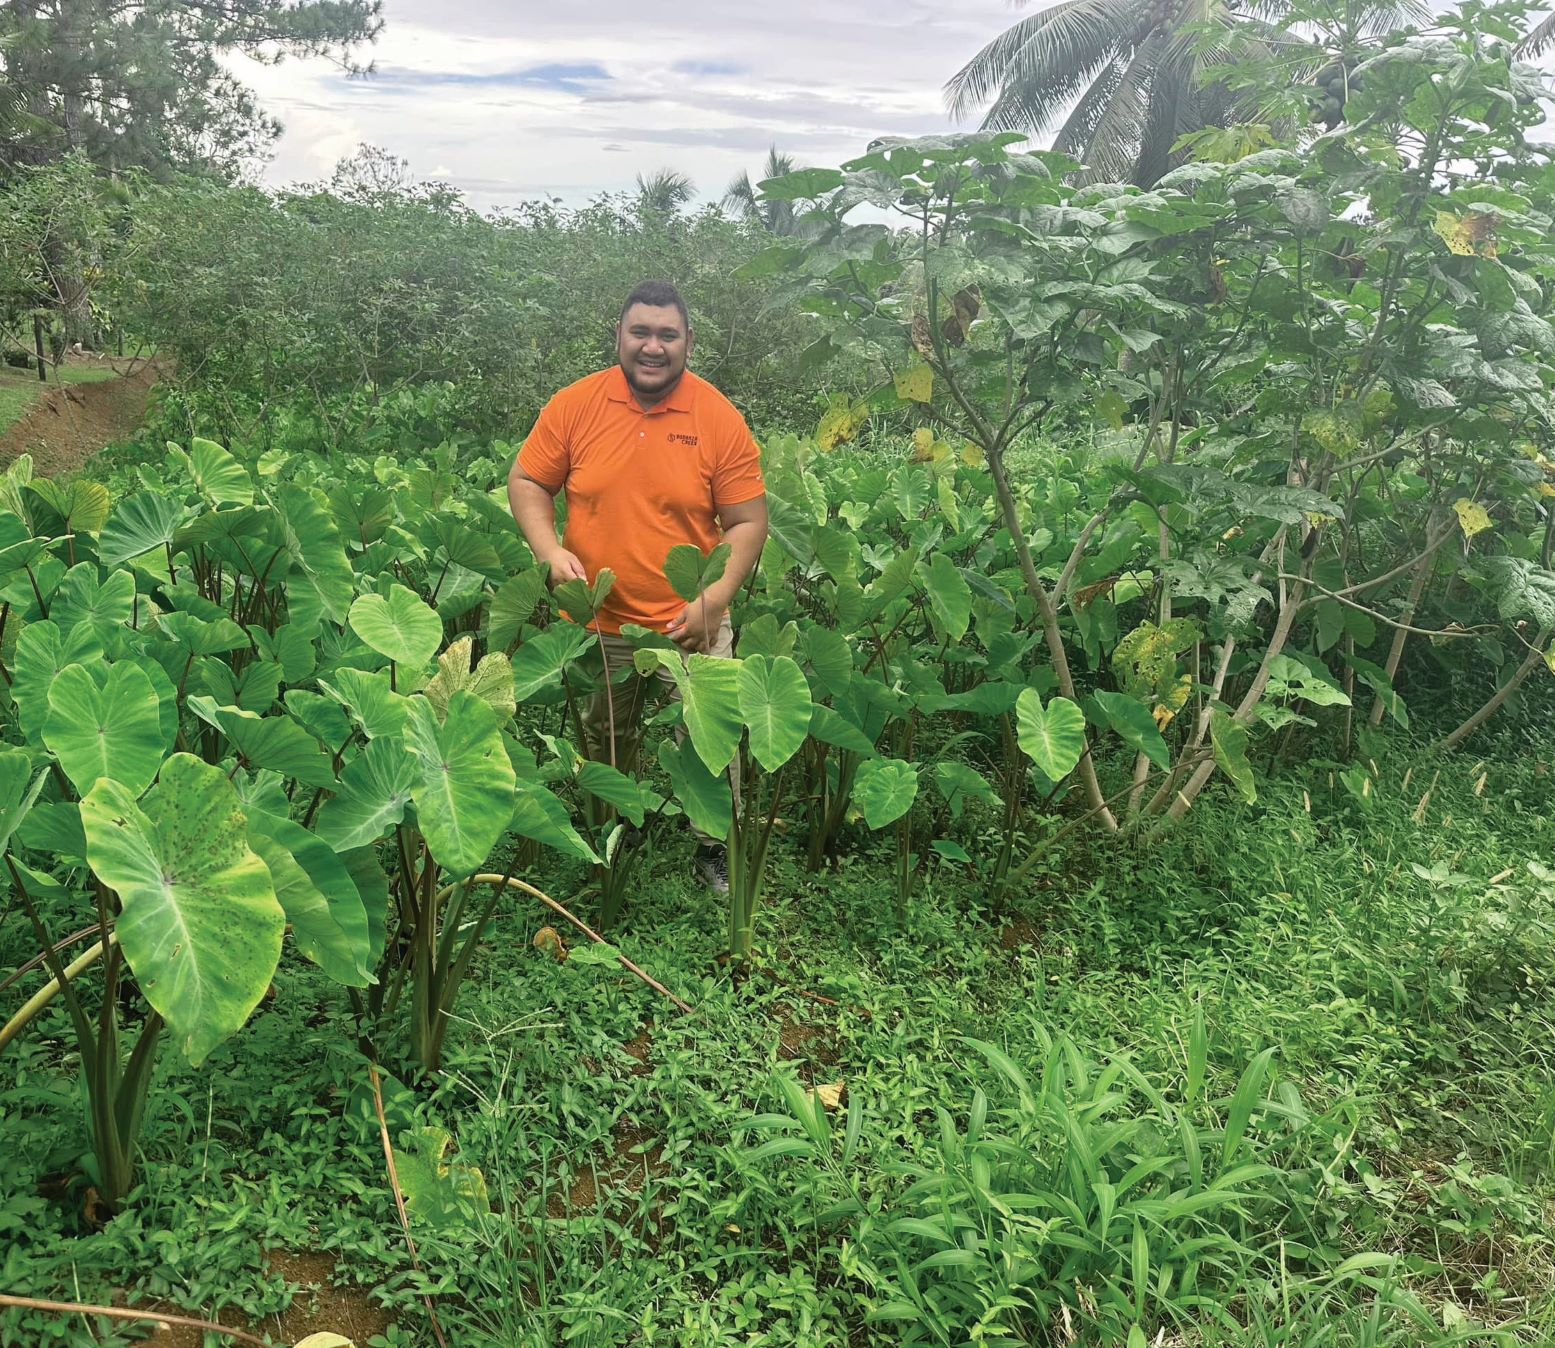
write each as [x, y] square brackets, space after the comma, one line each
[1538, 41]
[664, 193]
[1129, 77]
[1127, 72]
[743, 200]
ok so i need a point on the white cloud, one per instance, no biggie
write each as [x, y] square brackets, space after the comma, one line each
[512, 101]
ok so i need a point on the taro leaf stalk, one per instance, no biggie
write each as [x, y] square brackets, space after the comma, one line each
[185, 905]
[760, 709]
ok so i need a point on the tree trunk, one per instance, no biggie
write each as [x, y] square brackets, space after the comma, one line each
[1417, 586]
[1534, 658]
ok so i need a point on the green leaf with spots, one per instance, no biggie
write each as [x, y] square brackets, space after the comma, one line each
[1053, 737]
[464, 798]
[199, 922]
[774, 702]
[1228, 738]
[400, 626]
[113, 730]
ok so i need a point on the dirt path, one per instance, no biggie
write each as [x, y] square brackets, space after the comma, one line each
[70, 422]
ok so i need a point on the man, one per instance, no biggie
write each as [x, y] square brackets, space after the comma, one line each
[649, 457]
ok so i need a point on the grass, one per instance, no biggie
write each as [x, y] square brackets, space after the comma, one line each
[1330, 1021]
[19, 389]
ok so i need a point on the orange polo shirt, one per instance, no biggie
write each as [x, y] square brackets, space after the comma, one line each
[640, 483]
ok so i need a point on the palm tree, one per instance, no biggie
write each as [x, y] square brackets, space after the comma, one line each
[776, 217]
[1131, 73]
[1127, 70]
[664, 193]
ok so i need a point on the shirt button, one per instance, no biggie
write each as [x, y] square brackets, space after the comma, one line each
[642, 435]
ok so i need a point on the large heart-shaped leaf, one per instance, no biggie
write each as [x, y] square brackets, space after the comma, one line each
[711, 696]
[539, 815]
[110, 731]
[373, 705]
[19, 788]
[884, 790]
[275, 742]
[614, 788]
[950, 597]
[1053, 737]
[313, 543]
[399, 626]
[1134, 723]
[199, 922]
[41, 652]
[464, 798]
[705, 796]
[214, 472]
[138, 524]
[541, 661]
[103, 605]
[315, 888]
[690, 573]
[774, 701]
[513, 605]
[374, 791]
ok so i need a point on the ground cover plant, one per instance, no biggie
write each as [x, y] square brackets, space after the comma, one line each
[1139, 927]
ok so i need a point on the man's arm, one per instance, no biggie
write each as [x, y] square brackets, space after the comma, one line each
[745, 531]
[534, 510]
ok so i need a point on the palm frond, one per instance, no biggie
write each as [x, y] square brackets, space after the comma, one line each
[1538, 41]
[1055, 52]
[1114, 140]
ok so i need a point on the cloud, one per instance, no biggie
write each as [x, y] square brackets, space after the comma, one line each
[510, 101]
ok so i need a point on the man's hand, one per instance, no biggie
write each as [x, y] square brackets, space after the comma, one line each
[564, 567]
[697, 627]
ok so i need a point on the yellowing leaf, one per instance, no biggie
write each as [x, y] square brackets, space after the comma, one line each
[972, 455]
[923, 445]
[549, 940]
[1546, 489]
[840, 424]
[1471, 235]
[915, 385]
[324, 1340]
[1472, 517]
[829, 1096]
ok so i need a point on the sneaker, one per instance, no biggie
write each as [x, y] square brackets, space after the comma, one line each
[712, 867]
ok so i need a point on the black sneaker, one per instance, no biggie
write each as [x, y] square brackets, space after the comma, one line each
[712, 866]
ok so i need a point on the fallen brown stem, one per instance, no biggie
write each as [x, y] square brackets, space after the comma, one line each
[399, 1196]
[123, 1313]
[490, 878]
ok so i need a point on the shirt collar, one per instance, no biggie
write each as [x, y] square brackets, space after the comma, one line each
[619, 391]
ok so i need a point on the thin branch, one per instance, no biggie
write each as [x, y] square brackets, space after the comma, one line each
[123, 1313]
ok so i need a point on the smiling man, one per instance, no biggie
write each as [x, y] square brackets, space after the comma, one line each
[648, 456]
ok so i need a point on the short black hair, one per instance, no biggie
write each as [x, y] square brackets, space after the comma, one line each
[657, 295]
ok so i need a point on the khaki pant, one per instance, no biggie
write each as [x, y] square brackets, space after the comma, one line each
[628, 701]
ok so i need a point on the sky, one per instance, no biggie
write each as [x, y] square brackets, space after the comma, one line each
[510, 101]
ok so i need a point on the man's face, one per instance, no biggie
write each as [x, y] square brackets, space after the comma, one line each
[652, 344]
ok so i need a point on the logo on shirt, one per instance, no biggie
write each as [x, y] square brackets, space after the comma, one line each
[681, 438]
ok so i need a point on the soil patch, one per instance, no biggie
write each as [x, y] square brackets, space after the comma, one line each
[317, 1306]
[71, 422]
